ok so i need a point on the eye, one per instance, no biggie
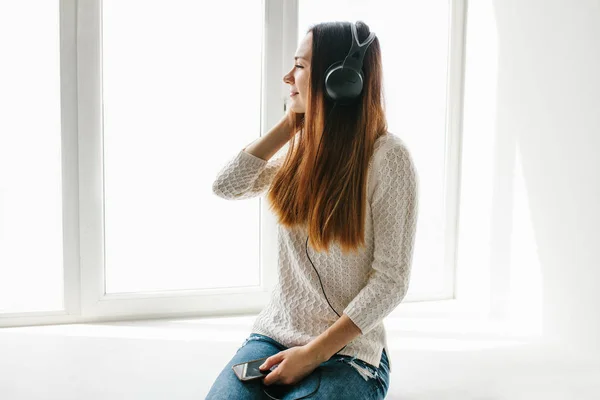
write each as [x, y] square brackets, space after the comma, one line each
[299, 66]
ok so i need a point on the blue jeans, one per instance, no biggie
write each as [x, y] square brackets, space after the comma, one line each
[340, 377]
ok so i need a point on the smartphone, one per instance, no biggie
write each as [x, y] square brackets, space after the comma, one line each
[248, 370]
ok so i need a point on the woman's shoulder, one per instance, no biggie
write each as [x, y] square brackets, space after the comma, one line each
[391, 154]
[387, 142]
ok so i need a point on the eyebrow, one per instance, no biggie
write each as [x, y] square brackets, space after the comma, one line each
[295, 58]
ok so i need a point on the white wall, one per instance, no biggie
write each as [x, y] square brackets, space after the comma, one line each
[530, 218]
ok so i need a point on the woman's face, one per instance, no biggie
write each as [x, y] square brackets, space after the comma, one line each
[298, 78]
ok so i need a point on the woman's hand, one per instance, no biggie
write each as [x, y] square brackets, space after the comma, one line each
[294, 365]
[288, 121]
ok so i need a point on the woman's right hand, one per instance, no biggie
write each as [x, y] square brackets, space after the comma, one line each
[288, 121]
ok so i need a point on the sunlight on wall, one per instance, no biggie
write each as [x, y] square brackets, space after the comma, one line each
[497, 250]
[525, 293]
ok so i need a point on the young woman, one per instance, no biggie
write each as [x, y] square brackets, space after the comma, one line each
[345, 194]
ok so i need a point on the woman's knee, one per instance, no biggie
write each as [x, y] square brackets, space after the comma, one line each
[228, 386]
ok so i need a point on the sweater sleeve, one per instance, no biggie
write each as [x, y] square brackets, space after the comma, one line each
[394, 207]
[246, 176]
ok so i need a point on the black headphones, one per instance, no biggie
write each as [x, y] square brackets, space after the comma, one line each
[344, 79]
[343, 84]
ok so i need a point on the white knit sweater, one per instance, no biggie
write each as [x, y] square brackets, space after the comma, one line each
[366, 285]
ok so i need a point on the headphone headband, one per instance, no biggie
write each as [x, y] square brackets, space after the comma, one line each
[357, 51]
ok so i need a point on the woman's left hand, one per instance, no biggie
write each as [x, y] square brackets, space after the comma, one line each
[294, 365]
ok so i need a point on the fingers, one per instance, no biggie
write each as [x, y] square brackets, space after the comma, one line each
[273, 377]
[266, 364]
[274, 359]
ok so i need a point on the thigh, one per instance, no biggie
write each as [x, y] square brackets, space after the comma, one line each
[228, 387]
[338, 378]
[341, 379]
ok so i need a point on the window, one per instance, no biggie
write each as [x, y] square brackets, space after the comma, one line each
[31, 208]
[126, 131]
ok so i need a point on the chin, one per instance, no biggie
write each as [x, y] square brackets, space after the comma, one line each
[298, 110]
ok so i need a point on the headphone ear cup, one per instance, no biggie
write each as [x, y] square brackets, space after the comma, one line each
[330, 89]
[343, 84]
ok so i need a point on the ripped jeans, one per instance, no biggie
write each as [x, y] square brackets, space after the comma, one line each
[340, 377]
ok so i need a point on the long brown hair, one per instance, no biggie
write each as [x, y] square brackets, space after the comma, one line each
[326, 192]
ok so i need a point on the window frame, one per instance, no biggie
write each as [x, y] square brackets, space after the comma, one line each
[81, 106]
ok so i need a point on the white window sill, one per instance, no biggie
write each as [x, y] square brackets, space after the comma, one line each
[440, 320]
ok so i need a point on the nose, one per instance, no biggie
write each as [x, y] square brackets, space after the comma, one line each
[287, 78]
